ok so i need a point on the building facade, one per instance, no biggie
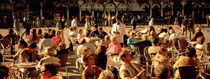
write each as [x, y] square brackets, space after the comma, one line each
[51, 9]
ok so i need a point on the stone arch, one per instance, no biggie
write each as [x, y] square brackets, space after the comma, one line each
[167, 5]
[5, 6]
[98, 7]
[145, 5]
[156, 4]
[122, 6]
[110, 7]
[85, 7]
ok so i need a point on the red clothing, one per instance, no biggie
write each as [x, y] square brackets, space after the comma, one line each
[114, 48]
[56, 40]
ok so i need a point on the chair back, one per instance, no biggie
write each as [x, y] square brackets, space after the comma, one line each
[182, 42]
[175, 41]
[187, 72]
[5, 43]
[208, 47]
[63, 58]
[141, 48]
[17, 38]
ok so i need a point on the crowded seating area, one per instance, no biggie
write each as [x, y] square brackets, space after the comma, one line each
[119, 53]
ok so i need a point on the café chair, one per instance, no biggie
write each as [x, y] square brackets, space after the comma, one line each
[4, 45]
[63, 58]
[182, 42]
[148, 56]
[187, 72]
[208, 47]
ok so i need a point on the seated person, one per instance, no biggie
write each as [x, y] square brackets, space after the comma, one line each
[57, 39]
[129, 70]
[114, 46]
[22, 46]
[188, 59]
[49, 58]
[73, 32]
[101, 58]
[30, 54]
[106, 41]
[143, 43]
[45, 42]
[61, 49]
[80, 34]
[95, 33]
[101, 34]
[161, 62]
[197, 34]
[106, 74]
[154, 47]
[132, 41]
[33, 38]
[152, 36]
[91, 71]
[50, 71]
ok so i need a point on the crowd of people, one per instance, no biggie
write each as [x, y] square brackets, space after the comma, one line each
[109, 55]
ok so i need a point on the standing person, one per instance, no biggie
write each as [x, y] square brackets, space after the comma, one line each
[16, 25]
[37, 21]
[191, 27]
[109, 20]
[184, 26]
[62, 26]
[74, 22]
[87, 25]
[133, 21]
[179, 16]
[151, 22]
[118, 30]
[58, 24]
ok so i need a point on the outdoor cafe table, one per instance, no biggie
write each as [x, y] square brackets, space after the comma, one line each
[27, 65]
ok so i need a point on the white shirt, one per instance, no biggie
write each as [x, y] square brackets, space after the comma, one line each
[74, 23]
[45, 43]
[151, 22]
[119, 28]
[172, 36]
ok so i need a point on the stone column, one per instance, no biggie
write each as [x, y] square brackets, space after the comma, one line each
[193, 13]
[161, 9]
[172, 8]
[203, 14]
[116, 12]
[183, 5]
[92, 12]
[80, 15]
[150, 10]
[67, 13]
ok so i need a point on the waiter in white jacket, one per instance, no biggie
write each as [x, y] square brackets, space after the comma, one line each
[118, 30]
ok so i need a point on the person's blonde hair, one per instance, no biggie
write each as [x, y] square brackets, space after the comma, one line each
[50, 51]
[113, 38]
[107, 38]
[132, 34]
[106, 74]
[85, 50]
[162, 48]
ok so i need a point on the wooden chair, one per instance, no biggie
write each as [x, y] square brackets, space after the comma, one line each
[187, 72]
[148, 56]
[182, 42]
[63, 58]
